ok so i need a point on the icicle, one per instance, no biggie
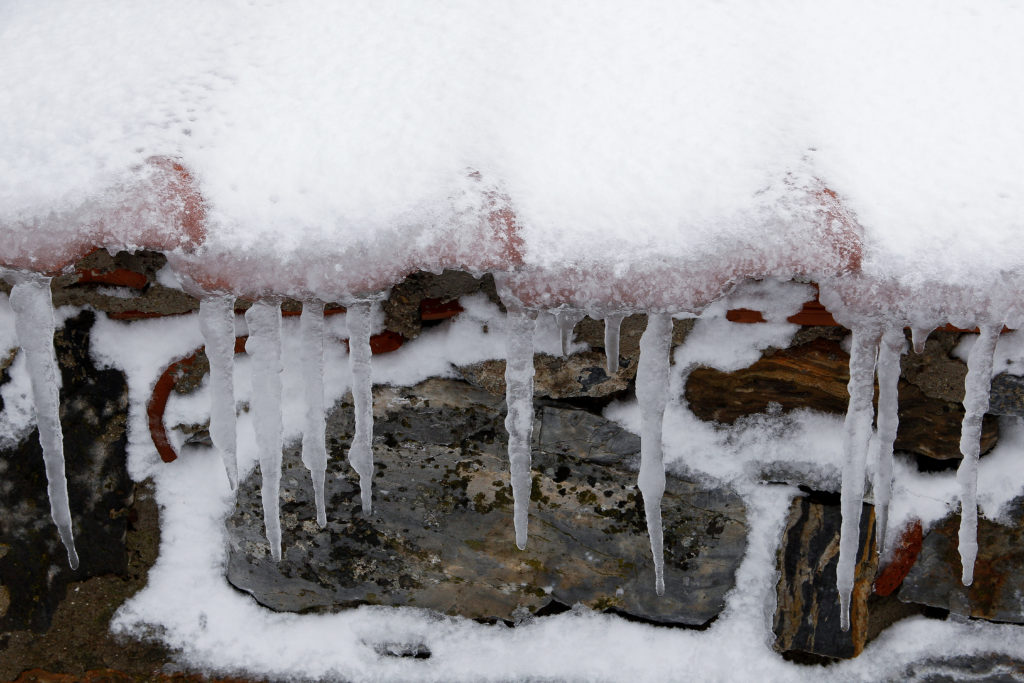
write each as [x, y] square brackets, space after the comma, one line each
[612, 325]
[566, 319]
[264, 345]
[217, 322]
[856, 434]
[977, 386]
[314, 449]
[360, 455]
[889, 351]
[652, 375]
[34, 324]
[918, 336]
[519, 418]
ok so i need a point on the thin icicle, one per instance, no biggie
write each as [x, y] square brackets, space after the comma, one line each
[360, 455]
[520, 325]
[217, 323]
[652, 376]
[264, 345]
[918, 336]
[566, 319]
[892, 346]
[856, 434]
[977, 386]
[34, 325]
[612, 326]
[314, 449]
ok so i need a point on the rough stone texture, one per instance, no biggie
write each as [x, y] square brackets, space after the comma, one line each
[814, 375]
[1007, 396]
[402, 307]
[441, 534]
[807, 613]
[153, 298]
[935, 371]
[998, 581]
[33, 564]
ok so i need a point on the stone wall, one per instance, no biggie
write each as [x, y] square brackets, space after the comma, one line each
[441, 537]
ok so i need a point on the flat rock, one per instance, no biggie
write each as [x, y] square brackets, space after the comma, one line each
[34, 571]
[814, 375]
[998, 583]
[807, 613]
[441, 534]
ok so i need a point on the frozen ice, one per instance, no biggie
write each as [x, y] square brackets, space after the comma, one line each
[264, 345]
[612, 326]
[360, 454]
[34, 324]
[856, 433]
[977, 385]
[566, 319]
[918, 336]
[652, 379]
[217, 322]
[892, 345]
[314, 447]
[520, 325]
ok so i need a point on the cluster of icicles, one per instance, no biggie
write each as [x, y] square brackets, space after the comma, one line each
[874, 348]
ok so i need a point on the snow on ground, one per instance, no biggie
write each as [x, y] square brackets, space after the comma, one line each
[189, 606]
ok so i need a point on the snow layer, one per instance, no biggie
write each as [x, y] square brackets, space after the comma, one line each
[674, 147]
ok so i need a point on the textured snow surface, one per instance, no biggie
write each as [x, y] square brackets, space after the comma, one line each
[594, 143]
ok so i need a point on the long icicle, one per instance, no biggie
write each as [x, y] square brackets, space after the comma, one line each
[360, 455]
[314, 448]
[612, 326]
[520, 326]
[264, 345]
[652, 378]
[217, 323]
[856, 434]
[34, 324]
[892, 346]
[977, 386]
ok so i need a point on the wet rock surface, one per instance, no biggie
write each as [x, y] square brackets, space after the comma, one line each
[807, 613]
[34, 571]
[934, 579]
[814, 375]
[441, 533]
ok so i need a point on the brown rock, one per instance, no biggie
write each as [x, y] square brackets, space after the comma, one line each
[814, 375]
[807, 612]
[998, 584]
